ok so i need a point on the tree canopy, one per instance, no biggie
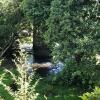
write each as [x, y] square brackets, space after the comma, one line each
[73, 28]
[10, 16]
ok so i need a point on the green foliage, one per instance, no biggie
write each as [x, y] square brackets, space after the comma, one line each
[5, 94]
[9, 79]
[73, 76]
[10, 15]
[49, 91]
[37, 88]
[71, 29]
[36, 10]
[74, 27]
[73, 35]
[95, 95]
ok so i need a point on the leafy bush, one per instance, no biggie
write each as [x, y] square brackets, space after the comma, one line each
[95, 95]
[70, 29]
[83, 76]
[16, 84]
[76, 78]
[73, 39]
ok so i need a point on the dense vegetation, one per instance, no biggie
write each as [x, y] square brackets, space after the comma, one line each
[73, 35]
[70, 29]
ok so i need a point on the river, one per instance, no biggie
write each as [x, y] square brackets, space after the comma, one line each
[27, 49]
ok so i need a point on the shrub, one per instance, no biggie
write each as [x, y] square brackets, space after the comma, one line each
[83, 76]
[19, 86]
[95, 95]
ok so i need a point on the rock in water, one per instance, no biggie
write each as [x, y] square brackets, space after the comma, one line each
[57, 68]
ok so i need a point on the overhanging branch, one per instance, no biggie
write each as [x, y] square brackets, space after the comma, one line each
[10, 42]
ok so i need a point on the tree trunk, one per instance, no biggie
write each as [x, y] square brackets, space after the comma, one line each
[40, 50]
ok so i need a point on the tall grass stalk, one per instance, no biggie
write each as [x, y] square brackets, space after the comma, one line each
[25, 90]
